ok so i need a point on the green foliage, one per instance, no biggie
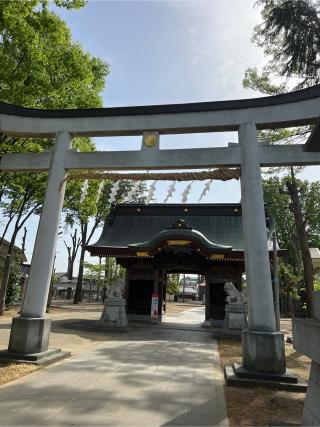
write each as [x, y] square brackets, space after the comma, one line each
[110, 272]
[40, 64]
[89, 212]
[290, 38]
[13, 294]
[261, 83]
[316, 283]
[68, 4]
[113, 272]
[290, 282]
[94, 205]
[93, 271]
[278, 202]
[41, 67]
[290, 35]
[173, 284]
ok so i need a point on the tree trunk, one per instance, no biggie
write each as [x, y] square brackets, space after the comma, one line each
[6, 273]
[98, 290]
[291, 307]
[23, 247]
[298, 265]
[296, 209]
[69, 270]
[78, 293]
[72, 253]
[70, 267]
[276, 281]
[50, 294]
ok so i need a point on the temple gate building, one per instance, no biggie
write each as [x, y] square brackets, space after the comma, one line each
[154, 240]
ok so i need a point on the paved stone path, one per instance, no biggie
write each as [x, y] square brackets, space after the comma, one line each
[193, 317]
[147, 377]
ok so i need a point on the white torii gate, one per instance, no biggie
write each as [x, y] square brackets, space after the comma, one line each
[263, 345]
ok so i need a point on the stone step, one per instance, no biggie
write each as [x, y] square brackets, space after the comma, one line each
[232, 379]
[288, 377]
[44, 358]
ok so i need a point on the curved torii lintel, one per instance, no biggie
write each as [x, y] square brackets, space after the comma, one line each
[291, 109]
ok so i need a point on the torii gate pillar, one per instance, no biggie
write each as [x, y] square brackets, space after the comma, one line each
[30, 332]
[263, 345]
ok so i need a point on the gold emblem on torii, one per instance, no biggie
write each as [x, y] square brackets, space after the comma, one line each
[150, 140]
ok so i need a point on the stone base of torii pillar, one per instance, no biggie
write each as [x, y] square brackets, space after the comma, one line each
[29, 341]
[263, 364]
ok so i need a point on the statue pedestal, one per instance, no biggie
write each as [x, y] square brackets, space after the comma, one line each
[235, 319]
[114, 313]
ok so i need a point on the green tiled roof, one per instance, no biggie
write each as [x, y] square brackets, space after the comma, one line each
[137, 224]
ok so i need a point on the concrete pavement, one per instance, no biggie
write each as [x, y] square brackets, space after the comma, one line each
[192, 317]
[147, 377]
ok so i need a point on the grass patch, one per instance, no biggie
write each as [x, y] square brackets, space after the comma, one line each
[12, 371]
[261, 406]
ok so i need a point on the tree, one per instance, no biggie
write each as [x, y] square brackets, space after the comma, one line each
[41, 67]
[24, 196]
[113, 271]
[110, 272]
[13, 294]
[295, 206]
[89, 210]
[72, 252]
[173, 284]
[289, 282]
[302, 233]
[94, 272]
[289, 36]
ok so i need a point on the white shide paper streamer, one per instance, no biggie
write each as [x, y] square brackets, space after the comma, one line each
[132, 192]
[84, 190]
[171, 190]
[113, 192]
[185, 193]
[205, 189]
[151, 192]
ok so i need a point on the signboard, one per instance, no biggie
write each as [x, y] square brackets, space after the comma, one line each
[154, 306]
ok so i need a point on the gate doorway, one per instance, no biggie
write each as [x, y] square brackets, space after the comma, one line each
[187, 305]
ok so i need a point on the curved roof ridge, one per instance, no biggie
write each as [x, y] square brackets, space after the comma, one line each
[191, 234]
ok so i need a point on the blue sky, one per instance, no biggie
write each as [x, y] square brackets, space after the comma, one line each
[167, 52]
[171, 52]
[163, 52]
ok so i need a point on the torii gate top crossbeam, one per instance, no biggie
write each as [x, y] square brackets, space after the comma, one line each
[292, 109]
